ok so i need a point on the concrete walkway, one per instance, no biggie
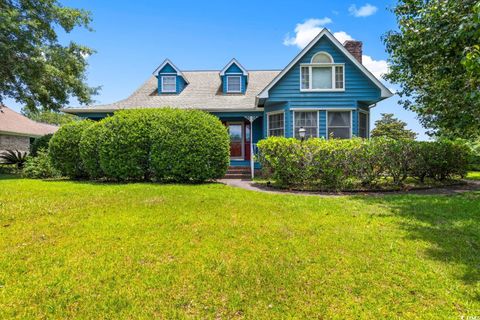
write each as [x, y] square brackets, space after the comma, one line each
[448, 190]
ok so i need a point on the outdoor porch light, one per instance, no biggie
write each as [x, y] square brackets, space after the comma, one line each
[302, 132]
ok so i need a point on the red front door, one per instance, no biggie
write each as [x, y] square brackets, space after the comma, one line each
[237, 134]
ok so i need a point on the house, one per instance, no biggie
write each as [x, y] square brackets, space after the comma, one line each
[325, 89]
[17, 131]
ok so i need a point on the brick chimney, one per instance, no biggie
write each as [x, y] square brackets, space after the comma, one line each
[355, 48]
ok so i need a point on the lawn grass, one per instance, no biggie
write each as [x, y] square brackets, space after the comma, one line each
[473, 175]
[98, 251]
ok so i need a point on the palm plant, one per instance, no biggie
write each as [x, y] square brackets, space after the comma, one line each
[15, 157]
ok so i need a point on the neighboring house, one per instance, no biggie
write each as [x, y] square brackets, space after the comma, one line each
[324, 89]
[17, 131]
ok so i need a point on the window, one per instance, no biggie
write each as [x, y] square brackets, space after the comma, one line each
[362, 125]
[338, 77]
[234, 84]
[276, 124]
[305, 78]
[322, 74]
[307, 120]
[169, 84]
[322, 78]
[322, 57]
[339, 124]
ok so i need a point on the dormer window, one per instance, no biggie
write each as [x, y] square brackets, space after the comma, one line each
[234, 84]
[322, 74]
[169, 84]
[170, 79]
[234, 78]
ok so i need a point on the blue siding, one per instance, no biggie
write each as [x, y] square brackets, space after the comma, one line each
[357, 86]
[234, 70]
[273, 108]
[168, 70]
[355, 123]
[359, 89]
[322, 130]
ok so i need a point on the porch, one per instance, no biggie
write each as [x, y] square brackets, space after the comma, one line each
[245, 130]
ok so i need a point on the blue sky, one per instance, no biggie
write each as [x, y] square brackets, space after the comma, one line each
[133, 37]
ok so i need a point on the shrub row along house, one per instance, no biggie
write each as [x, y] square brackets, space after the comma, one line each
[325, 89]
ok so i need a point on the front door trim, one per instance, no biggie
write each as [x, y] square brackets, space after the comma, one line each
[242, 124]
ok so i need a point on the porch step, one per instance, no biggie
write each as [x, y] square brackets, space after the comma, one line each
[238, 169]
[237, 176]
[236, 172]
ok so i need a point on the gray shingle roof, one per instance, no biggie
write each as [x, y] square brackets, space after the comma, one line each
[203, 92]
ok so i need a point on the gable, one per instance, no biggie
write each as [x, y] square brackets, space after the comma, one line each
[234, 68]
[335, 45]
[167, 69]
[357, 85]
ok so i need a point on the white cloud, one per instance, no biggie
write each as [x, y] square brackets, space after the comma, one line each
[377, 67]
[342, 36]
[305, 32]
[363, 11]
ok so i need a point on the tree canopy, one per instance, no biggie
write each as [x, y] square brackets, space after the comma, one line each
[35, 68]
[435, 58]
[391, 127]
[50, 117]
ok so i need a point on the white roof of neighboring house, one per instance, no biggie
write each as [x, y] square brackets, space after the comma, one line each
[14, 123]
[203, 92]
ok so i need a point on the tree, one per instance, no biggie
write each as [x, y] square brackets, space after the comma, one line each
[434, 57]
[391, 127]
[50, 117]
[35, 68]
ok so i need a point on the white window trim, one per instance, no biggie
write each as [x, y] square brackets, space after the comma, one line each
[322, 52]
[339, 110]
[368, 123]
[169, 91]
[332, 65]
[305, 110]
[268, 121]
[240, 82]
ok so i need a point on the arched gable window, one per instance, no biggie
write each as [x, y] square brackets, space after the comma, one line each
[322, 74]
[322, 57]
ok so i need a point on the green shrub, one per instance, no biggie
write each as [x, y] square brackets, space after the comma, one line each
[474, 161]
[40, 167]
[189, 146]
[397, 157]
[90, 142]
[338, 164]
[39, 144]
[287, 160]
[64, 150]
[13, 157]
[367, 162]
[125, 148]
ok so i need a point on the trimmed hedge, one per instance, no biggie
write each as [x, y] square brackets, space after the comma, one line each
[125, 149]
[337, 164]
[144, 144]
[40, 143]
[89, 147]
[189, 147]
[64, 149]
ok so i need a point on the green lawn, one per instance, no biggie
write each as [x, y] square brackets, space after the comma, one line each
[80, 250]
[473, 175]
